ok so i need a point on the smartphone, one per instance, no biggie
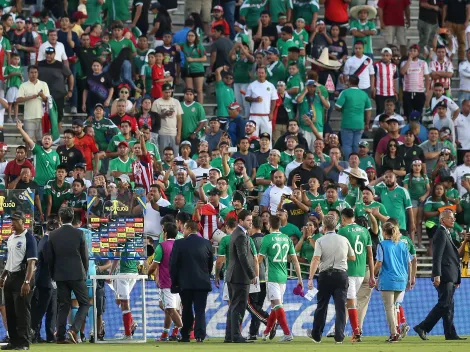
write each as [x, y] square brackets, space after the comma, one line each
[256, 209]
[204, 175]
[232, 149]
[179, 162]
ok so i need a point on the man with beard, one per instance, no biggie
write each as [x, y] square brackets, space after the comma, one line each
[296, 210]
[302, 174]
[276, 193]
[208, 215]
[251, 162]
[236, 176]
[121, 115]
[250, 129]
[331, 201]
[263, 175]
[292, 130]
[27, 183]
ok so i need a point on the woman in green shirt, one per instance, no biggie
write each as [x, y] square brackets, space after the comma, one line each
[417, 184]
[193, 69]
[437, 200]
[242, 60]
[452, 194]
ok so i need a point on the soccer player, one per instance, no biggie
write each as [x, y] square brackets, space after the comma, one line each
[276, 247]
[359, 238]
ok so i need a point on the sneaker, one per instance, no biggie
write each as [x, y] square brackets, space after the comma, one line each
[125, 337]
[73, 110]
[272, 333]
[164, 337]
[133, 327]
[264, 337]
[331, 333]
[309, 334]
[356, 338]
[404, 329]
[72, 336]
[174, 338]
[393, 338]
[286, 338]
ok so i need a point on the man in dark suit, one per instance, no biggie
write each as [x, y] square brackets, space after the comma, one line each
[68, 265]
[240, 273]
[446, 278]
[191, 265]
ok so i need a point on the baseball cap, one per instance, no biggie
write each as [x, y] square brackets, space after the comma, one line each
[124, 178]
[18, 215]
[80, 166]
[265, 135]
[275, 151]
[281, 83]
[368, 188]
[416, 162]
[218, 8]
[311, 82]
[214, 169]
[28, 20]
[166, 86]
[445, 131]
[77, 122]
[442, 104]
[124, 143]
[185, 143]
[99, 105]
[371, 169]
[273, 51]
[314, 213]
[79, 15]
[466, 176]
[414, 46]
[392, 119]
[50, 50]
[239, 159]
[320, 22]
[363, 144]
[251, 122]
[387, 50]
[234, 106]
[414, 116]
[214, 118]
[213, 192]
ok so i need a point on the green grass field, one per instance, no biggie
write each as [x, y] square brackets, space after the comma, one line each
[375, 344]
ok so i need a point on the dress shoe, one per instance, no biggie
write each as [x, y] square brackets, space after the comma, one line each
[8, 347]
[421, 333]
[242, 341]
[456, 338]
[252, 338]
[228, 341]
[199, 340]
[184, 340]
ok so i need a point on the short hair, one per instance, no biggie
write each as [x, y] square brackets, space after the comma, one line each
[219, 28]
[21, 147]
[80, 181]
[257, 222]
[121, 100]
[183, 217]
[168, 148]
[192, 225]
[445, 213]
[61, 167]
[231, 222]
[170, 229]
[354, 153]
[52, 30]
[354, 80]
[437, 48]
[329, 222]
[69, 131]
[167, 219]
[287, 29]
[15, 55]
[275, 222]
[243, 214]
[242, 138]
[32, 67]
[265, 13]
[348, 213]
[438, 84]
[359, 42]
[66, 215]
[96, 61]
[383, 117]
[125, 121]
[433, 129]
[390, 100]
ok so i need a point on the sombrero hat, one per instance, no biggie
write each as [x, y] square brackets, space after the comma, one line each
[325, 61]
[356, 173]
[372, 12]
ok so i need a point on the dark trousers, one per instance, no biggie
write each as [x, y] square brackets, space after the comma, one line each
[255, 307]
[60, 102]
[443, 309]
[64, 291]
[413, 101]
[331, 284]
[45, 302]
[18, 310]
[199, 300]
[238, 296]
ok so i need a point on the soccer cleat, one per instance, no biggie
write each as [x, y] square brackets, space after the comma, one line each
[264, 337]
[404, 329]
[133, 327]
[356, 338]
[272, 333]
[393, 338]
[164, 337]
[286, 338]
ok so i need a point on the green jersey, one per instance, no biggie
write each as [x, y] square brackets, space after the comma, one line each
[117, 46]
[366, 162]
[151, 148]
[306, 251]
[14, 81]
[44, 27]
[409, 243]
[291, 230]
[305, 9]
[295, 81]
[275, 247]
[417, 186]
[300, 64]
[58, 194]
[186, 189]
[241, 70]
[363, 26]
[318, 160]
[286, 158]
[300, 38]
[276, 72]
[194, 114]
[433, 205]
[241, 38]
[278, 6]
[465, 204]
[251, 10]
[114, 142]
[452, 193]
[264, 172]
[6, 45]
[396, 201]
[314, 107]
[139, 59]
[128, 266]
[359, 238]
[93, 8]
[326, 207]
[224, 245]
[105, 129]
[284, 45]
[194, 52]
[354, 195]
[217, 163]
[78, 201]
[146, 73]
[117, 164]
[314, 198]
[353, 102]
[45, 163]
[234, 181]
[360, 211]
[225, 96]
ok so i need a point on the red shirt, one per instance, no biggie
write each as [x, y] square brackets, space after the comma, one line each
[116, 119]
[94, 40]
[158, 72]
[336, 11]
[223, 23]
[87, 146]
[394, 11]
[13, 169]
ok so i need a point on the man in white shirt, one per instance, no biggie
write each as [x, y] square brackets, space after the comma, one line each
[152, 217]
[390, 112]
[452, 108]
[262, 95]
[60, 54]
[274, 194]
[464, 74]
[460, 171]
[361, 66]
[299, 158]
[462, 131]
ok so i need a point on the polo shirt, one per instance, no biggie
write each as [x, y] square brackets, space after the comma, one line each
[353, 102]
[21, 249]
[33, 107]
[272, 197]
[427, 147]
[395, 201]
[264, 172]
[333, 251]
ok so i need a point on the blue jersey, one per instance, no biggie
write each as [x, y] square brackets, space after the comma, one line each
[91, 264]
[395, 257]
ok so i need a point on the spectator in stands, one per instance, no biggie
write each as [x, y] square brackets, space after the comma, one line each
[362, 67]
[392, 160]
[220, 49]
[464, 74]
[266, 27]
[460, 171]
[297, 211]
[276, 193]
[432, 150]
[439, 96]
[23, 42]
[98, 89]
[214, 133]
[224, 90]
[276, 70]
[415, 74]
[33, 93]
[380, 132]
[414, 122]
[68, 153]
[236, 124]
[319, 39]
[318, 147]
[428, 19]
[462, 126]
[334, 167]
[393, 133]
[53, 73]
[363, 27]
[263, 151]
[124, 136]
[386, 83]
[410, 151]
[442, 120]
[251, 163]
[302, 174]
[122, 163]
[263, 174]
[161, 23]
[355, 109]
[393, 18]
[219, 20]
[365, 160]
[337, 13]
[455, 17]
[441, 68]
[59, 48]
[13, 169]
[299, 156]
[390, 108]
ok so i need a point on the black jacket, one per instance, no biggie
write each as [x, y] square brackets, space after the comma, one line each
[67, 254]
[445, 257]
[281, 142]
[191, 264]
[42, 275]
[241, 267]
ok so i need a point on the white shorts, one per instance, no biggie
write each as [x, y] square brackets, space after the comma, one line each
[276, 291]
[123, 287]
[169, 300]
[225, 296]
[355, 283]
[401, 297]
[12, 94]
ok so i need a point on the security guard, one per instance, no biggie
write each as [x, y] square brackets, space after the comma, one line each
[17, 282]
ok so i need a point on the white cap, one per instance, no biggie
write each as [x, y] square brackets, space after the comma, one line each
[387, 50]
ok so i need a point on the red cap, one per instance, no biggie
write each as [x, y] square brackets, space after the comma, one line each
[414, 46]
[218, 8]
[123, 143]
[234, 106]
[79, 15]
[3, 146]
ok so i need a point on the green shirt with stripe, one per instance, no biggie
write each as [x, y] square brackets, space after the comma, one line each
[58, 194]
[396, 201]
[45, 163]
[359, 238]
[275, 247]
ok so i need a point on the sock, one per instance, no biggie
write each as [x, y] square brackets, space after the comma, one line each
[127, 320]
[73, 313]
[281, 318]
[402, 318]
[91, 321]
[271, 322]
[165, 333]
[354, 320]
[175, 332]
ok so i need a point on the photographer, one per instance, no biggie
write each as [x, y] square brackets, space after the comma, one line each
[236, 176]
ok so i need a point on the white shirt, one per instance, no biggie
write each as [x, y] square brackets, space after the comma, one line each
[275, 194]
[17, 249]
[451, 106]
[60, 54]
[266, 91]
[400, 119]
[464, 74]
[344, 178]
[33, 108]
[353, 63]
[192, 164]
[291, 166]
[152, 218]
[457, 175]
[462, 129]
[198, 172]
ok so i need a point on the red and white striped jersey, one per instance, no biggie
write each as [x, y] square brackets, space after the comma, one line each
[413, 80]
[385, 74]
[210, 219]
[446, 66]
[143, 171]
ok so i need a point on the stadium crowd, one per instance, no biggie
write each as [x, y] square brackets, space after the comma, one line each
[271, 160]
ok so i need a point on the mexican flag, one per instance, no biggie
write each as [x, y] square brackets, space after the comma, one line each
[50, 123]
